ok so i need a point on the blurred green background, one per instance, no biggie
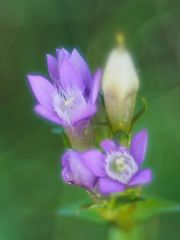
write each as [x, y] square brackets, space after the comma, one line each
[31, 191]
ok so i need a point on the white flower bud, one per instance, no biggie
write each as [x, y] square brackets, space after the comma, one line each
[120, 85]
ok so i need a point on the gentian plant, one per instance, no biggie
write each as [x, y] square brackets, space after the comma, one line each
[102, 155]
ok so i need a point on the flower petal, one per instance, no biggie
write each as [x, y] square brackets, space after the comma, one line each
[65, 159]
[61, 53]
[69, 77]
[42, 89]
[81, 67]
[94, 160]
[139, 145]
[109, 145]
[49, 115]
[66, 175]
[142, 177]
[83, 113]
[95, 86]
[78, 173]
[52, 67]
[107, 186]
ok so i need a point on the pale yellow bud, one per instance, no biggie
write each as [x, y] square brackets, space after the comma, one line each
[120, 85]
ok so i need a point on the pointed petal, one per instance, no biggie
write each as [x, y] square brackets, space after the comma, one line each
[94, 160]
[83, 113]
[139, 145]
[61, 53]
[68, 76]
[49, 115]
[81, 67]
[52, 67]
[95, 86]
[107, 186]
[109, 145]
[42, 89]
[77, 171]
[142, 177]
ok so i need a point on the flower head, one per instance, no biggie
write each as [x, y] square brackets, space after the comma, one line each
[113, 170]
[120, 84]
[71, 95]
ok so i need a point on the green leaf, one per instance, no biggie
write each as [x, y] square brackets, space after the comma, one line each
[153, 207]
[83, 211]
[127, 200]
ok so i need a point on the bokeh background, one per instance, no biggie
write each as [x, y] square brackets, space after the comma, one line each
[30, 188]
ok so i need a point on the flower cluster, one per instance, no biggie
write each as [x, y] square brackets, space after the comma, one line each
[70, 99]
[112, 170]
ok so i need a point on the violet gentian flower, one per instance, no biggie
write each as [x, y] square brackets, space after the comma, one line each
[75, 170]
[71, 95]
[113, 170]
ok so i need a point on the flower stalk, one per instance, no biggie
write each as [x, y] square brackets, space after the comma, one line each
[80, 137]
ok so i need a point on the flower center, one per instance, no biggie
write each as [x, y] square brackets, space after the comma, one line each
[121, 166]
[67, 102]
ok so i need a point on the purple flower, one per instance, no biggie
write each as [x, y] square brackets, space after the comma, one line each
[71, 95]
[110, 171]
[75, 170]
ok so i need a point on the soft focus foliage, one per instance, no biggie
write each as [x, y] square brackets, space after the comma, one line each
[31, 191]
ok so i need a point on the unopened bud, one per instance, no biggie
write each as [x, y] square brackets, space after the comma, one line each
[120, 85]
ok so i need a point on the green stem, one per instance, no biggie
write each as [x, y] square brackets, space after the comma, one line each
[116, 233]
